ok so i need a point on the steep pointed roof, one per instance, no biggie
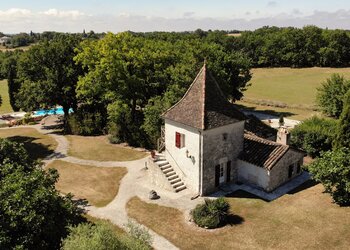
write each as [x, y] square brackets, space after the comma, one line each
[204, 106]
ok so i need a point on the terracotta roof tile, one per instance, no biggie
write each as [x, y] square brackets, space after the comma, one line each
[204, 106]
[262, 152]
[256, 127]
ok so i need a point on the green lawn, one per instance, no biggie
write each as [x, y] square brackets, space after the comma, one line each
[290, 86]
[5, 106]
[305, 219]
[98, 148]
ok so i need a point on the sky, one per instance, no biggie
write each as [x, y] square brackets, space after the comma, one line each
[165, 15]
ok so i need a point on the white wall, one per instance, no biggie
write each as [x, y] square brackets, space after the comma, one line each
[186, 168]
[249, 173]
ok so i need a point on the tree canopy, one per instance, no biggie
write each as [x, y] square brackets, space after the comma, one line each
[331, 94]
[49, 75]
[128, 75]
[314, 135]
[33, 214]
[332, 169]
[343, 130]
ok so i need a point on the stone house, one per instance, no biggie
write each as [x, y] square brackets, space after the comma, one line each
[210, 143]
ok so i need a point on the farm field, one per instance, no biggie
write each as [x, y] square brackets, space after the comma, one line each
[5, 106]
[295, 88]
[290, 86]
[303, 219]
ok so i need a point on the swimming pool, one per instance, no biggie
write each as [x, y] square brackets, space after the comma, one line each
[56, 111]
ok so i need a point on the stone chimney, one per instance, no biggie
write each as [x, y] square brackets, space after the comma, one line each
[283, 135]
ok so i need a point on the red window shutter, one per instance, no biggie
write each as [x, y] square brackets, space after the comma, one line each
[178, 140]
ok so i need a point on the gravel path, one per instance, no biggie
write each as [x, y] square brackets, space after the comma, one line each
[115, 211]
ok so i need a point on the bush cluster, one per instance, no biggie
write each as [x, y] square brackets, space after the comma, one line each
[314, 135]
[211, 214]
[100, 236]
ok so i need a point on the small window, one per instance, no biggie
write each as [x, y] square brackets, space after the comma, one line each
[290, 171]
[224, 136]
[298, 168]
[179, 140]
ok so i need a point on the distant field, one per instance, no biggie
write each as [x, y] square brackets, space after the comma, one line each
[290, 86]
[5, 106]
[3, 48]
[296, 88]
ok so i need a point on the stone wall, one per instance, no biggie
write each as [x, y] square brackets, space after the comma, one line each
[157, 177]
[221, 144]
[279, 173]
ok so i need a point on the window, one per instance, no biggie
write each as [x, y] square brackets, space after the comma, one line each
[179, 140]
[290, 171]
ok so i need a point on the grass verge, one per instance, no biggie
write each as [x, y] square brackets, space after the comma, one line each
[98, 185]
[98, 148]
[38, 145]
[306, 219]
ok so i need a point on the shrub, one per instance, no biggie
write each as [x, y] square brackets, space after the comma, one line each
[101, 235]
[211, 214]
[332, 169]
[314, 135]
[139, 233]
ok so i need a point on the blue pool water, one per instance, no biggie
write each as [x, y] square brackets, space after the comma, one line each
[56, 111]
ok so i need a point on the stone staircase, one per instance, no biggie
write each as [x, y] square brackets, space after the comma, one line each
[173, 178]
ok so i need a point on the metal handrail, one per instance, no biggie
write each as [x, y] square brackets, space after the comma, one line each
[176, 163]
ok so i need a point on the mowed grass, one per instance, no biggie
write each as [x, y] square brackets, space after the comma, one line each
[38, 145]
[5, 107]
[98, 185]
[98, 148]
[304, 220]
[290, 113]
[290, 86]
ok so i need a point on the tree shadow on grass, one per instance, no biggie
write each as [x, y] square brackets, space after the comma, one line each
[308, 184]
[35, 150]
[244, 194]
[272, 113]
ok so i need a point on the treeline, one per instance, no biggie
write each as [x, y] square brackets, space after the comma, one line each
[293, 47]
[25, 39]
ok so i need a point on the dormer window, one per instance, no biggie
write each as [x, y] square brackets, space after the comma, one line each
[179, 140]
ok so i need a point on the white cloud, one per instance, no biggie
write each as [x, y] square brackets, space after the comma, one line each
[24, 20]
[63, 14]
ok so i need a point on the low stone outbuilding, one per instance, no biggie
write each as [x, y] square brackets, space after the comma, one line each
[210, 143]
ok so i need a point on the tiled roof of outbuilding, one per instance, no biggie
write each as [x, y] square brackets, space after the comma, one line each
[262, 152]
[204, 106]
[256, 127]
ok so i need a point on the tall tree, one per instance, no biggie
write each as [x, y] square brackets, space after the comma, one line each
[331, 94]
[49, 74]
[9, 69]
[343, 132]
[33, 215]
